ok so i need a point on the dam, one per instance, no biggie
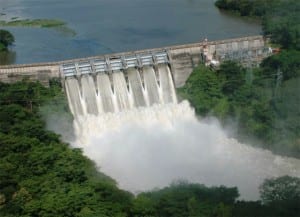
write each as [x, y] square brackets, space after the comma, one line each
[181, 59]
[128, 121]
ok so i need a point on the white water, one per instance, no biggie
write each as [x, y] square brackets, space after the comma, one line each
[147, 147]
[120, 91]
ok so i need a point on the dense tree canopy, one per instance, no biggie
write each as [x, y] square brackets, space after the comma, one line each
[280, 18]
[283, 194]
[185, 199]
[285, 188]
[39, 174]
[264, 102]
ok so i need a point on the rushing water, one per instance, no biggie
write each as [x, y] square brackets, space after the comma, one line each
[112, 93]
[106, 26]
[150, 140]
[143, 149]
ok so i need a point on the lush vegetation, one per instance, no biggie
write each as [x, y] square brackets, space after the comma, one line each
[42, 176]
[39, 174]
[280, 199]
[280, 18]
[184, 199]
[262, 103]
[6, 39]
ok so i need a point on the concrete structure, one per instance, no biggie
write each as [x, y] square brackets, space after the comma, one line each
[182, 59]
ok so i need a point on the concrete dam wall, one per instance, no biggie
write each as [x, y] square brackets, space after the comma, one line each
[181, 60]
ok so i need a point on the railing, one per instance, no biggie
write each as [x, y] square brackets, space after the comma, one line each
[112, 64]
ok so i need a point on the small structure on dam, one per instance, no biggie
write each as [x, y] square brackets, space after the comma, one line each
[182, 59]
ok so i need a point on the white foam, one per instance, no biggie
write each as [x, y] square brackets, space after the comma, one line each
[151, 147]
[147, 147]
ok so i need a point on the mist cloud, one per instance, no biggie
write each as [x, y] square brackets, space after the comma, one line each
[151, 147]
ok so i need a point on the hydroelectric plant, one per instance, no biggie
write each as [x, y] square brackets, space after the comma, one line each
[128, 121]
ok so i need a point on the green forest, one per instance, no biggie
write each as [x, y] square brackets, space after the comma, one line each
[42, 176]
[39, 174]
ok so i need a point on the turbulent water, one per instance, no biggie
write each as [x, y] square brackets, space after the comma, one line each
[118, 91]
[133, 128]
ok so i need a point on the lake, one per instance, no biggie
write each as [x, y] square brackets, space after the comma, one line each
[108, 26]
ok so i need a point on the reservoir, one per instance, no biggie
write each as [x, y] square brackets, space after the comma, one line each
[108, 26]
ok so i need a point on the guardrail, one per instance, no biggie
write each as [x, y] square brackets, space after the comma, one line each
[111, 64]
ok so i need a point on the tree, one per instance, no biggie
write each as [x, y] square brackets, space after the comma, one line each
[234, 77]
[287, 61]
[203, 89]
[282, 195]
[6, 39]
[280, 189]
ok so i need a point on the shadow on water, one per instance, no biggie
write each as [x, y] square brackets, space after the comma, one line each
[7, 58]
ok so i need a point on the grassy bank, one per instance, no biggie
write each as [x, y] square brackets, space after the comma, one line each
[41, 23]
[58, 25]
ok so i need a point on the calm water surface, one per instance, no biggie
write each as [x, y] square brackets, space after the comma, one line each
[106, 26]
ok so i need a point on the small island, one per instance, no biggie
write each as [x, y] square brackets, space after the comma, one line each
[41, 23]
[38, 23]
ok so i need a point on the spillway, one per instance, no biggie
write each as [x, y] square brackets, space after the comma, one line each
[127, 119]
[111, 86]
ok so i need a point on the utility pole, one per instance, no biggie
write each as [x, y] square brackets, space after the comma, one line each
[279, 77]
